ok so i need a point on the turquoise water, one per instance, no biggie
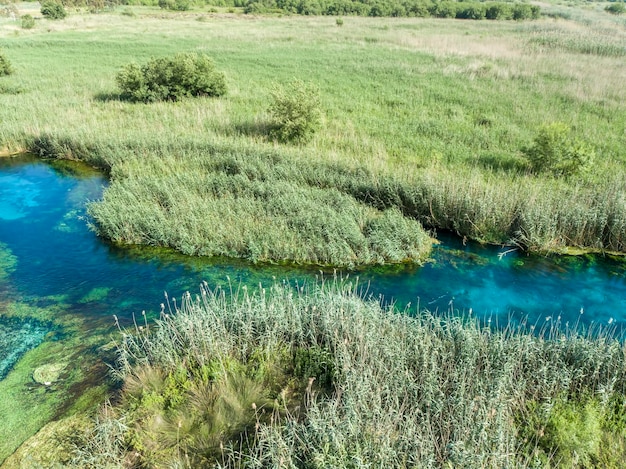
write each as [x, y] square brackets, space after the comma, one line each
[60, 260]
[16, 337]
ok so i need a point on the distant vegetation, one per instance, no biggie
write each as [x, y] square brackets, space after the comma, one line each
[324, 378]
[27, 21]
[471, 10]
[616, 8]
[5, 65]
[53, 10]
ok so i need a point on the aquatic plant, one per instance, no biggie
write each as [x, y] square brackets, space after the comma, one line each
[8, 261]
[407, 390]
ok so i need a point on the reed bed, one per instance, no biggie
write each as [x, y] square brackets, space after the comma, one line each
[409, 389]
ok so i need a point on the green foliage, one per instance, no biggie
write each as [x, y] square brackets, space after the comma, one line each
[270, 207]
[471, 11]
[175, 5]
[5, 66]
[444, 9]
[616, 8]
[578, 433]
[557, 151]
[184, 75]
[525, 11]
[53, 10]
[339, 21]
[295, 112]
[315, 362]
[27, 21]
[395, 8]
[499, 11]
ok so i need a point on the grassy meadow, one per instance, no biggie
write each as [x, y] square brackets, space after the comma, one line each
[425, 120]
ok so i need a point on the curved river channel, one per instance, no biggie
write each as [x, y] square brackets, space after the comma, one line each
[48, 253]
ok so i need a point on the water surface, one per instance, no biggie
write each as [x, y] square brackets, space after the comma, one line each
[43, 225]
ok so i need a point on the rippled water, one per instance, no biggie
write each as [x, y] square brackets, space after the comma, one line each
[43, 225]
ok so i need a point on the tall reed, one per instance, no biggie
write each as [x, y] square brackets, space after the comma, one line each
[409, 390]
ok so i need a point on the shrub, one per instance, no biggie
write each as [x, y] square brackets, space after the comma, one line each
[444, 9]
[616, 8]
[5, 66]
[471, 12]
[53, 10]
[339, 22]
[295, 112]
[523, 11]
[175, 5]
[498, 11]
[556, 151]
[184, 75]
[28, 22]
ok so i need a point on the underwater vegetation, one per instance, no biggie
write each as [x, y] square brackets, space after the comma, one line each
[17, 336]
[7, 261]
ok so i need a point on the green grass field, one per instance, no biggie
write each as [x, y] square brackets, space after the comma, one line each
[427, 118]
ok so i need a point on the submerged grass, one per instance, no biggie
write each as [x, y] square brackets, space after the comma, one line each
[404, 391]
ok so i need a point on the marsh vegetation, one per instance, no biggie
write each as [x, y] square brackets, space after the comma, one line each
[500, 131]
[321, 377]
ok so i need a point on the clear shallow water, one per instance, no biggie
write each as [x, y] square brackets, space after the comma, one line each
[43, 224]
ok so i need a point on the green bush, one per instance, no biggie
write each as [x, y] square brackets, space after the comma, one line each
[499, 11]
[53, 10]
[472, 11]
[616, 8]
[295, 112]
[444, 10]
[171, 78]
[28, 22]
[556, 151]
[175, 5]
[524, 11]
[5, 66]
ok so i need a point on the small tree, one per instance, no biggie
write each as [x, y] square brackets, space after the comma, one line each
[184, 75]
[53, 10]
[295, 112]
[616, 8]
[5, 66]
[28, 22]
[556, 151]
